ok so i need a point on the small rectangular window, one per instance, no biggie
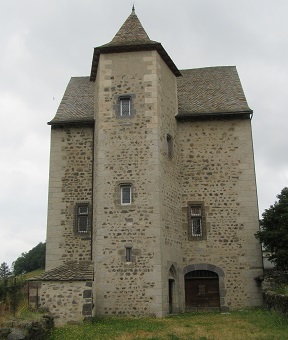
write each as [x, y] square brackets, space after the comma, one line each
[125, 109]
[169, 146]
[82, 218]
[196, 220]
[126, 194]
[128, 254]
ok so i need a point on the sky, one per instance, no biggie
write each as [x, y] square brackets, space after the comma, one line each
[44, 43]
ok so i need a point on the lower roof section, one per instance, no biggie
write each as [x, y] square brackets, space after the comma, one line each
[69, 271]
[203, 92]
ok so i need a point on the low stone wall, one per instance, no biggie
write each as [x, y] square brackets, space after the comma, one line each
[28, 330]
[277, 302]
[67, 301]
[274, 277]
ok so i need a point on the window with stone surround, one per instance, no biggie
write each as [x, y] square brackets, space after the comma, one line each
[82, 218]
[128, 254]
[125, 194]
[124, 107]
[196, 222]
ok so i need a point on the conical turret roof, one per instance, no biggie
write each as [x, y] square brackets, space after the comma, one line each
[131, 37]
[131, 32]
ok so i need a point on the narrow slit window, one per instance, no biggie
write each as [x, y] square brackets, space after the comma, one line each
[169, 146]
[126, 194]
[125, 107]
[128, 254]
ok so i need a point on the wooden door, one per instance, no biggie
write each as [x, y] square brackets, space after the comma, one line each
[202, 292]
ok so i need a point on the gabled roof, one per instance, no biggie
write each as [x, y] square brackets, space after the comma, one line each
[70, 271]
[131, 37]
[202, 92]
[210, 91]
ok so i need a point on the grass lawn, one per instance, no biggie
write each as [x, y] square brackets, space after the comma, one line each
[246, 324]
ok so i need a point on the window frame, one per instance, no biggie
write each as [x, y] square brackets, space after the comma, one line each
[118, 106]
[123, 100]
[197, 218]
[78, 215]
[128, 254]
[122, 186]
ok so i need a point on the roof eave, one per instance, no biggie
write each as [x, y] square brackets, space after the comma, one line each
[90, 278]
[132, 48]
[71, 122]
[210, 115]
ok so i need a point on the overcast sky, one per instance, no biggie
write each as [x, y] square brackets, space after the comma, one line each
[44, 43]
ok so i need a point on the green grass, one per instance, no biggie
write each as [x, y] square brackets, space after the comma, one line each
[247, 324]
[29, 275]
[281, 289]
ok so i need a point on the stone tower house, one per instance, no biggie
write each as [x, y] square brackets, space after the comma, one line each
[152, 195]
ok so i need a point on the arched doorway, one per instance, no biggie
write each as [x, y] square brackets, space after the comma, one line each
[202, 289]
[171, 288]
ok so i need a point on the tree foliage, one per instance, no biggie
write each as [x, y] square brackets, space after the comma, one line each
[27, 262]
[5, 275]
[5, 271]
[274, 231]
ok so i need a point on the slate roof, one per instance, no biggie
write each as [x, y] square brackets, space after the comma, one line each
[131, 32]
[211, 90]
[201, 92]
[77, 103]
[70, 271]
[131, 37]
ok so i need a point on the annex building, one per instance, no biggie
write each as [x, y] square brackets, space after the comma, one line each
[152, 195]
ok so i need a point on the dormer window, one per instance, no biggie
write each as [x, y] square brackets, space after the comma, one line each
[125, 106]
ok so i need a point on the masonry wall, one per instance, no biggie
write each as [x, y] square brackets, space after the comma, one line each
[68, 302]
[170, 187]
[127, 151]
[217, 168]
[70, 182]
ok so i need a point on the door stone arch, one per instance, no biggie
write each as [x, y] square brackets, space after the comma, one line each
[171, 288]
[204, 286]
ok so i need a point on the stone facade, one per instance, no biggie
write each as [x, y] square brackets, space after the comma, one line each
[185, 142]
[67, 301]
[218, 170]
[133, 150]
[70, 182]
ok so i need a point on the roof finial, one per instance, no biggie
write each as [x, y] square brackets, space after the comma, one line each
[133, 9]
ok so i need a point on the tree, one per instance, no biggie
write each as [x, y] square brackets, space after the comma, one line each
[274, 231]
[5, 274]
[4, 271]
[34, 259]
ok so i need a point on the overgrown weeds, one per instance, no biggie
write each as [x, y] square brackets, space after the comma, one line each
[245, 324]
[14, 299]
[281, 289]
